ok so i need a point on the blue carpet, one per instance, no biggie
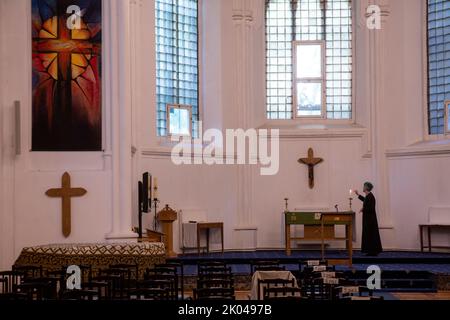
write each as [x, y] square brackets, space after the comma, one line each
[401, 263]
[433, 268]
[331, 254]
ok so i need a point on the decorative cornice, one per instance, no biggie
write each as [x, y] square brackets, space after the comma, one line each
[316, 131]
[417, 152]
[319, 134]
[167, 153]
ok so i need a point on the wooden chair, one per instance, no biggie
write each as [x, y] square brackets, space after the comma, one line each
[4, 285]
[167, 274]
[104, 287]
[29, 272]
[305, 278]
[274, 283]
[326, 288]
[114, 288]
[10, 279]
[180, 275]
[35, 290]
[86, 273]
[60, 279]
[214, 294]
[283, 293]
[178, 272]
[133, 270]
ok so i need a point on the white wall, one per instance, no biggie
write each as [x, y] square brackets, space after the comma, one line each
[29, 217]
[389, 99]
[384, 146]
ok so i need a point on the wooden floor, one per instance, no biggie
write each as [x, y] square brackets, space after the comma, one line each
[423, 296]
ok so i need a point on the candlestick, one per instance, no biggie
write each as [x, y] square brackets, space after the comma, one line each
[351, 200]
[286, 203]
[155, 219]
[155, 188]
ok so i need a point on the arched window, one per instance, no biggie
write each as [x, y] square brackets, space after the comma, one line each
[309, 59]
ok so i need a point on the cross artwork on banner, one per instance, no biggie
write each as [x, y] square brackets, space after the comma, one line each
[66, 38]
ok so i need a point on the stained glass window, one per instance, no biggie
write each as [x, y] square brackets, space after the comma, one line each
[290, 22]
[176, 59]
[438, 64]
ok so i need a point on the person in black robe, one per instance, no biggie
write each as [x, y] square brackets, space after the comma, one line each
[371, 241]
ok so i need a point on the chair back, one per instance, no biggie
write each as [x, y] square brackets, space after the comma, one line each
[214, 294]
[282, 293]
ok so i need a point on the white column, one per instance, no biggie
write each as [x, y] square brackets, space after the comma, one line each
[137, 8]
[378, 81]
[7, 136]
[2, 198]
[120, 104]
[243, 16]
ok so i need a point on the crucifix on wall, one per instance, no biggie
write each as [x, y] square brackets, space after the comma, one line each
[66, 193]
[311, 162]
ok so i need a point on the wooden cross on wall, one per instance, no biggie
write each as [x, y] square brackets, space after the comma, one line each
[66, 193]
[311, 162]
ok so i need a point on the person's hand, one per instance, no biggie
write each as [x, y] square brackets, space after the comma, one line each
[357, 192]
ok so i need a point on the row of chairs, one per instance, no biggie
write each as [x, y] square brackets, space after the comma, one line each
[315, 280]
[118, 282]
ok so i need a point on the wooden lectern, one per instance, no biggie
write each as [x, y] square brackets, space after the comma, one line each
[167, 216]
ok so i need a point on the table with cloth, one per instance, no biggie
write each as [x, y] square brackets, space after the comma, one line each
[256, 292]
[98, 256]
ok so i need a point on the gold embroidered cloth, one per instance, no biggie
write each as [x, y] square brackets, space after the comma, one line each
[98, 256]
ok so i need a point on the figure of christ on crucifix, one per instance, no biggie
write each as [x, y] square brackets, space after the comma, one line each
[66, 76]
[311, 162]
[66, 193]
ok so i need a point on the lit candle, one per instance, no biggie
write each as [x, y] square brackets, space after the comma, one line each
[351, 192]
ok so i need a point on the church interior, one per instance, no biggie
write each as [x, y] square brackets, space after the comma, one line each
[224, 149]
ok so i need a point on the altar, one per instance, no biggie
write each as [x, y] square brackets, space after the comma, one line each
[321, 226]
[98, 256]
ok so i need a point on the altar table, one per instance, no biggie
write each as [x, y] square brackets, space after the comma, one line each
[98, 256]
